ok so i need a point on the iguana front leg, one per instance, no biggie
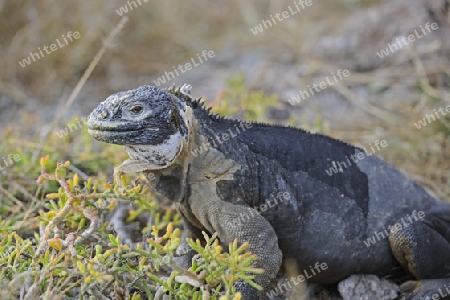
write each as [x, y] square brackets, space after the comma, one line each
[184, 252]
[133, 166]
[245, 224]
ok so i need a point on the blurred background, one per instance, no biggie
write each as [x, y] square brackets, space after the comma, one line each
[250, 76]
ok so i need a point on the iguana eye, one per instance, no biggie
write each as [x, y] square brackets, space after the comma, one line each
[136, 109]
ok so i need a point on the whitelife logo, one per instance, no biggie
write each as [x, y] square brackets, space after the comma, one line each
[265, 24]
[341, 165]
[302, 95]
[9, 161]
[130, 4]
[405, 41]
[431, 118]
[187, 66]
[69, 37]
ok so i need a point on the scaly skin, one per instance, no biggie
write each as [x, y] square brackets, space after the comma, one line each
[267, 185]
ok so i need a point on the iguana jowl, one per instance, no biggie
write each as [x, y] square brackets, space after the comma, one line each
[326, 218]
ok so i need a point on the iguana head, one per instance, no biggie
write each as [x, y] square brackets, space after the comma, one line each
[150, 122]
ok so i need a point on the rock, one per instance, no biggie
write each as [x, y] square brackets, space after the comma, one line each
[367, 287]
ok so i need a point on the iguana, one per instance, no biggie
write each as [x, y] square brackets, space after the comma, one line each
[267, 185]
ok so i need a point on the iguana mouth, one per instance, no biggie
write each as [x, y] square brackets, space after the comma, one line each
[122, 130]
[109, 134]
[116, 126]
[123, 136]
